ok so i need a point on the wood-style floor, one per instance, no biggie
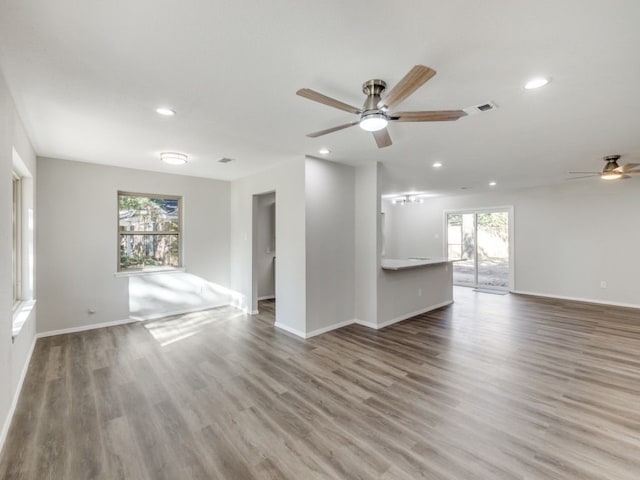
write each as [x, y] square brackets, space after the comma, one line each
[492, 387]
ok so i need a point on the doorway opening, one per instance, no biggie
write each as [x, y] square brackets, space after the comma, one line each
[264, 254]
[482, 241]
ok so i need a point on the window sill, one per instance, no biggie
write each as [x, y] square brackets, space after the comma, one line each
[148, 271]
[20, 315]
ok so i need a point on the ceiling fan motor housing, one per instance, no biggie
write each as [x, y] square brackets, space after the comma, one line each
[373, 90]
[612, 163]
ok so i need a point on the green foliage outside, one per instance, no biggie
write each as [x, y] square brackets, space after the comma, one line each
[140, 214]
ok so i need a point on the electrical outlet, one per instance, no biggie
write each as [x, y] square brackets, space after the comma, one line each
[419, 292]
[603, 284]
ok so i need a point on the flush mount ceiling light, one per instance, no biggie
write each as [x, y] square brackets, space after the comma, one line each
[174, 158]
[437, 165]
[167, 112]
[536, 83]
[373, 122]
[324, 151]
[492, 184]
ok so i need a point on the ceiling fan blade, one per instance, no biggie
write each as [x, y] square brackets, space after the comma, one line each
[627, 168]
[331, 102]
[332, 129]
[413, 80]
[584, 176]
[578, 173]
[382, 138]
[428, 116]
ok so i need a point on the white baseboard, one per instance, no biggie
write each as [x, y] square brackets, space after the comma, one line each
[14, 402]
[335, 326]
[314, 333]
[286, 328]
[413, 314]
[267, 297]
[578, 299]
[366, 324]
[372, 325]
[82, 328]
[132, 319]
[402, 317]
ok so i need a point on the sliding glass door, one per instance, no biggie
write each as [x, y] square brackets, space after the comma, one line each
[481, 240]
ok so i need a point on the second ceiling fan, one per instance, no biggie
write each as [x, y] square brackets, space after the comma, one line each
[374, 114]
[611, 170]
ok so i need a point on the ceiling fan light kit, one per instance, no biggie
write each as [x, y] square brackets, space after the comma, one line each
[373, 122]
[374, 114]
[611, 176]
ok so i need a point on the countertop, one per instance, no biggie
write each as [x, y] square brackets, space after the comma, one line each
[404, 263]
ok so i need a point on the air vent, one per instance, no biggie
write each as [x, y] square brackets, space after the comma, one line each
[481, 108]
[225, 160]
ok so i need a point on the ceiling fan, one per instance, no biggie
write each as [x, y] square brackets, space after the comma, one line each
[611, 170]
[374, 114]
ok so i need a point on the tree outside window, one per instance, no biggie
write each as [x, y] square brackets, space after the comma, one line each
[149, 230]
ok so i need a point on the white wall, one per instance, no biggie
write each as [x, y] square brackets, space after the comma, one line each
[568, 237]
[367, 244]
[265, 246]
[14, 355]
[330, 250]
[288, 183]
[405, 293]
[78, 253]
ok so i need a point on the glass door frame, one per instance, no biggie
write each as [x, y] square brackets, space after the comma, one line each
[475, 211]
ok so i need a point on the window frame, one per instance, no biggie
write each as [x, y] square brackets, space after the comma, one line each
[119, 234]
[17, 222]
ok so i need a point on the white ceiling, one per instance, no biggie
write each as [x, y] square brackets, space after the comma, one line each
[86, 76]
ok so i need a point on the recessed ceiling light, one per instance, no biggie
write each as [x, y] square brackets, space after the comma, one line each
[536, 83]
[174, 158]
[324, 151]
[437, 164]
[492, 184]
[167, 112]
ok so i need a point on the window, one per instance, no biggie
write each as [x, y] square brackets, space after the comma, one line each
[16, 258]
[149, 230]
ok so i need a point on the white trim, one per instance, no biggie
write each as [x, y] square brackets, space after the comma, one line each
[251, 312]
[16, 395]
[286, 328]
[356, 321]
[413, 314]
[82, 328]
[365, 324]
[335, 326]
[21, 314]
[132, 319]
[148, 271]
[578, 299]
[267, 297]
[402, 317]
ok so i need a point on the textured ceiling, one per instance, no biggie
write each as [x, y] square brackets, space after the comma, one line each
[86, 77]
